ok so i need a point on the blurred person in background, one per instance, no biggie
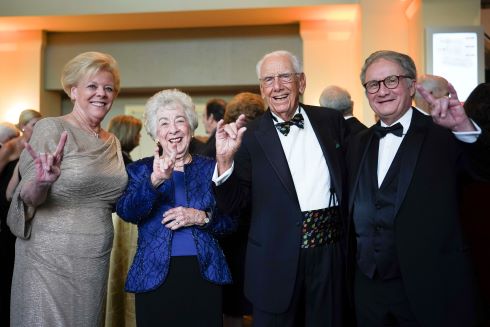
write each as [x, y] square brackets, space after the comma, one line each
[337, 98]
[128, 130]
[27, 119]
[215, 111]
[71, 176]
[435, 85]
[7, 132]
[13, 144]
[11, 149]
[120, 309]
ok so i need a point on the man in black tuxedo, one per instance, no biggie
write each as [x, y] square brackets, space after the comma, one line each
[410, 262]
[287, 166]
[338, 98]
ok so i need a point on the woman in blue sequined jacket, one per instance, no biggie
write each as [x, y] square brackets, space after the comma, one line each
[178, 268]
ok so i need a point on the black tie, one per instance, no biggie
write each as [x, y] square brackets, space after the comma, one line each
[285, 126]
[381, 132]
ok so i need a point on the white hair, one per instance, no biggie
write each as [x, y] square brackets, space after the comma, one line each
[292, 58]
[166, 100]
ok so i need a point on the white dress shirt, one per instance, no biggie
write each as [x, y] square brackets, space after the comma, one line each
[307, 165]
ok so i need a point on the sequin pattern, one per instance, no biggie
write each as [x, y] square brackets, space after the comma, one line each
[321, 227]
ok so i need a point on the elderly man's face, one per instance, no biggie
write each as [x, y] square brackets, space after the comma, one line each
[389, 104]
[281, 97]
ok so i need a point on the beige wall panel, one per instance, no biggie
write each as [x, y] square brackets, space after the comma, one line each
[176, 58]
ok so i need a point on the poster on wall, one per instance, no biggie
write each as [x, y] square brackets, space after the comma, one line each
[457, 54]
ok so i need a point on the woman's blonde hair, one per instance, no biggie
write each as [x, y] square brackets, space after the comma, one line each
[126, 128]
[88, 64]
[26, 116]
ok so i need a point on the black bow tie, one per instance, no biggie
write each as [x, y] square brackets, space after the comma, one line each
[381, 132]
[285, 126]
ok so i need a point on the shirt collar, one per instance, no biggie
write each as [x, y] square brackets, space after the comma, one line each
[278, 119]
[404, 120]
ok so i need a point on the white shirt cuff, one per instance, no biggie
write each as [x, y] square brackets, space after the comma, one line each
[469, 137]
[218, 180]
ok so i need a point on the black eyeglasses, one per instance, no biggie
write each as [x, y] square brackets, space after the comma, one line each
[283, 78]
[390, 82]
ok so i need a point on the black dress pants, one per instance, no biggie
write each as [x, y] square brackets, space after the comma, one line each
[382, 303]
[318, 296]
[184, 299]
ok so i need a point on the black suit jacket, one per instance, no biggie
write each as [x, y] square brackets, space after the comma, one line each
[262, 180]
[354, 126]
[432, 253]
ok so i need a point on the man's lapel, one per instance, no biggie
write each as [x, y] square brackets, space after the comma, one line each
[268, 139]
[414, 140]
[359, 156]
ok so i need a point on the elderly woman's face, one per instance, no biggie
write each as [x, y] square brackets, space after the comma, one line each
[173, 130]
[95, 94]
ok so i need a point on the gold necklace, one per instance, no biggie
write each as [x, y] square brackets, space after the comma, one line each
[85, 127]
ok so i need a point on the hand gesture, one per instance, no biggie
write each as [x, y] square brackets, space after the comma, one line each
[48, 165]
[179, 217]
[163, 166]
[447, 111]
[228, 140]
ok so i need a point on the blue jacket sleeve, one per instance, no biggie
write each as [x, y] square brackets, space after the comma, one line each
[140, 196]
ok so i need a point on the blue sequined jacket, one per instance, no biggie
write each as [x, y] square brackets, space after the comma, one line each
[144, 205]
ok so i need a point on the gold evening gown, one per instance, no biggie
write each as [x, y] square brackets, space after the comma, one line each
[63, 248]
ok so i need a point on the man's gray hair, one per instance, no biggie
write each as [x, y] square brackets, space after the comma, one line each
[337, 98]
[401, 59]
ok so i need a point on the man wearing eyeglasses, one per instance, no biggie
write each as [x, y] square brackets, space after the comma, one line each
[410, 264]
[288, 168]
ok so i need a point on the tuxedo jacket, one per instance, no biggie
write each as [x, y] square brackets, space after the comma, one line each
[354, 126]
[433, 256]
[262, 181]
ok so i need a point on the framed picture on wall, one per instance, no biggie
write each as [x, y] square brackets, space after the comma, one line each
[457, 54]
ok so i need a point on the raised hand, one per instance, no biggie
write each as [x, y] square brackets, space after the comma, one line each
[163, 166]
[228, 140]
[447, 111]
[48, 165]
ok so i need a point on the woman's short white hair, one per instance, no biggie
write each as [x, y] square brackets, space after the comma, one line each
[166, 100]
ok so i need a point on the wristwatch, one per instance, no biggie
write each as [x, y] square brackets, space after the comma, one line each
[206, 218]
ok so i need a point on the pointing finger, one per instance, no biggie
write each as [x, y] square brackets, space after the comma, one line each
[425, 94]
[452, 92]
[61, 144]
